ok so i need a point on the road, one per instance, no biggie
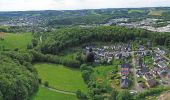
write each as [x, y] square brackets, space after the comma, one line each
[59, 91]
[136, 85]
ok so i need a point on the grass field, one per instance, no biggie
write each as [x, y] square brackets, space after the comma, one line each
[60, 77]
[45, 94]
[12, 41]
[134, 11]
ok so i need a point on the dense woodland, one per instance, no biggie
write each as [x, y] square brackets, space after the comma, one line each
[55, 42]
[19, 80]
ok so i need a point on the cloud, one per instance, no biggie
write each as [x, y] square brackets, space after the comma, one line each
[21, 5]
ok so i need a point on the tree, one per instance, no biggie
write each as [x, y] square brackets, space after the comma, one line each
[90, 56]
[83, 67]
[86, 75]
[80, 95]
[30, 46]
[98, 97]
[34, 42]
[46, 84]
[1, 96]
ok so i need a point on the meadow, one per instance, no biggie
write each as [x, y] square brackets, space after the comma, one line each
[45, 94]
[61, 77]
[13, 41]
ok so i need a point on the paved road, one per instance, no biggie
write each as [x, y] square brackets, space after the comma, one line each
[136, 85]
[59, 91]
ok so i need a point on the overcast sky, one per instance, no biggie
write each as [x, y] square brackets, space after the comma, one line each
[22, 5]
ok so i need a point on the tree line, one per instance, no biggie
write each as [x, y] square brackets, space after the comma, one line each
[61, 39]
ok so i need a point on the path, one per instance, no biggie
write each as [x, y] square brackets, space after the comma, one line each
[59, 91]
[40, 39]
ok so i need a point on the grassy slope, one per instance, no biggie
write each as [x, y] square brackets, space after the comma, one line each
[45, 94]
[12, 41]
[61, 78]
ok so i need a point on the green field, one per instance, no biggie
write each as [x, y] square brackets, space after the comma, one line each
[134, 11]
[60, 77]
[13, 41]
[45, 94]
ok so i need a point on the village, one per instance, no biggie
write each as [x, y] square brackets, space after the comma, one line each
[149, 66]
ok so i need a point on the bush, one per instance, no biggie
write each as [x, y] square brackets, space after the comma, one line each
[80, 95]
[46, 84]
[124, 95]
[1, 96]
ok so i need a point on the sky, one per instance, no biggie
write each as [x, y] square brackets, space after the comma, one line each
[24, 5]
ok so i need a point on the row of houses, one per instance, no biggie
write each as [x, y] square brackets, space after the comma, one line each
[107, 53]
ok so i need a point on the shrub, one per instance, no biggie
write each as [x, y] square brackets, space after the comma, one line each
[46, 84]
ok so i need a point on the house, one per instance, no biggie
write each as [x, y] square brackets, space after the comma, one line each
[106, 47]
[144, 70]
[139, 73]
[141, 48]
[155, 71]
[168, 76]
[148, 76]
[163, 73]
[125, 54]
[125, 68]
[162, 64]
[118, 55]
[124, 82]
[151, 83]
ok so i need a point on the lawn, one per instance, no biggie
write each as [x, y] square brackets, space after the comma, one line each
[61, 77]
[103, 71]
[17, 40]
[45, 94]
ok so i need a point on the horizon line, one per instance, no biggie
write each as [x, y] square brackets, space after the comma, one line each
[84, 9]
